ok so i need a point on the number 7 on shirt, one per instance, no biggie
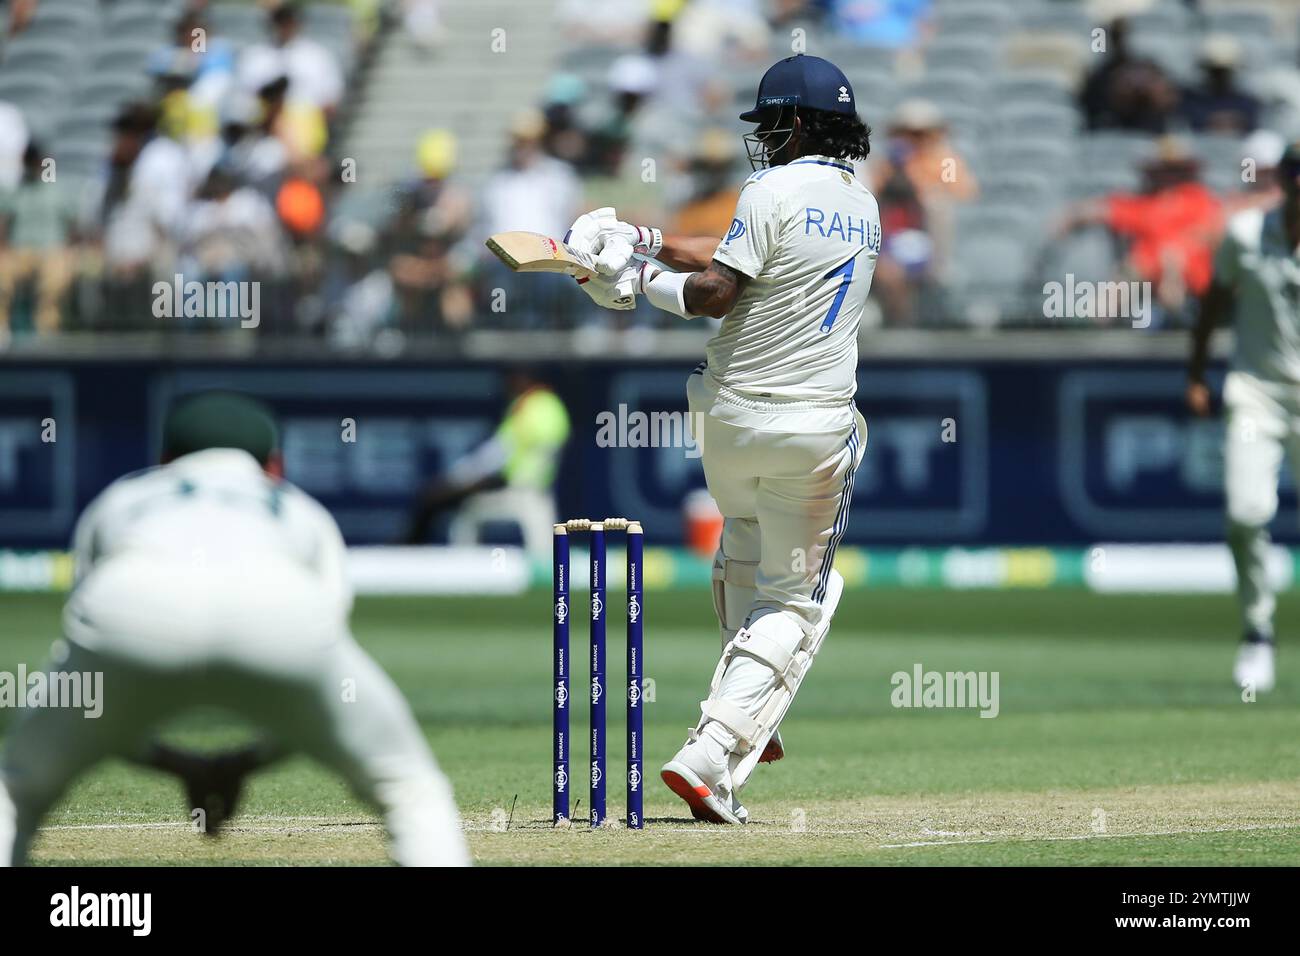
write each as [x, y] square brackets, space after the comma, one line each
[845, 270]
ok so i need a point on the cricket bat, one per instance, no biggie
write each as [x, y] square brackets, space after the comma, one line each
[533, 252]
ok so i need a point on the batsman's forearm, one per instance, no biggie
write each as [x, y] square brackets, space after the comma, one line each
[688, 253]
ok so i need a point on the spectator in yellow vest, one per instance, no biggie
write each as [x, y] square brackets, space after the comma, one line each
[508, 478]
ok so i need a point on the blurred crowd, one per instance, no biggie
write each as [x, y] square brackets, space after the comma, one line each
[218, 171]
[1015, 141]
[999, 161]
[1167, 230]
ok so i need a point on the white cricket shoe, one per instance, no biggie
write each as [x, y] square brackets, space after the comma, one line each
[699, 774]
[1255, 666]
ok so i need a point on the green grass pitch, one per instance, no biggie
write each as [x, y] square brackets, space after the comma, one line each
[1120, 740]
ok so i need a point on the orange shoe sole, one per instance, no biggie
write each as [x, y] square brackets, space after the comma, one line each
[694, 797]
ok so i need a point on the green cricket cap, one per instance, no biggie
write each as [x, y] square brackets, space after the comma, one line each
[219, 420]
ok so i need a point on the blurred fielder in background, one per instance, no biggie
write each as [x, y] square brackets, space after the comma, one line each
[211, 581]
[780, 434]
[510, 477]
[1257, 286]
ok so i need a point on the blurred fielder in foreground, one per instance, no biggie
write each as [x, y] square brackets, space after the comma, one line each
[1257, 285]
[209, 581]
[781, 437]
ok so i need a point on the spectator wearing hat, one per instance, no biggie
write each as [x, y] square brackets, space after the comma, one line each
[36, 231]
[1217, 104]
[231, 234]
[249, 128]
[312, 77]
[432, 216]
[632, 81]
[1170, 229]
[205, 63]
[144, 199]
[565, 138]
[688, 83]
[314, 73]
[709, 209]
[1127, 91]
[533, 192]
[619, 176]
[918, 182]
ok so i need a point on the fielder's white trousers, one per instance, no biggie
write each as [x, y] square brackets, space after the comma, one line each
[261, 640]
[1263, 423]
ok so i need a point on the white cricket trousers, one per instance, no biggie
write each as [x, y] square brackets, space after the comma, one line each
[263, 640]
[782, 476]
[1263, 423]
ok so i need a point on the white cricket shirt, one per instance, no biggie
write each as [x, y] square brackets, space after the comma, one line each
[1256, 261]
[808, 236]
[211, 509]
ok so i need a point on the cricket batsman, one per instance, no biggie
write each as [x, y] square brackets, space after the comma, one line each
[772, 404]
[210, 581]
[1257, 285]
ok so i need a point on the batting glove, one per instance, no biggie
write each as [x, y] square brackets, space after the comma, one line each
[615, 255]
[587, 230]
[638, 276]
[617, 292]
[645, 240]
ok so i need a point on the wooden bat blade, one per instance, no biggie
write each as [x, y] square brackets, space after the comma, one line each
[533, 252]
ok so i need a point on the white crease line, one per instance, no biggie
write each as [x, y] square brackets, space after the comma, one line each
[1092, 836]
[236, 823]
[754, 831]
[333, 823]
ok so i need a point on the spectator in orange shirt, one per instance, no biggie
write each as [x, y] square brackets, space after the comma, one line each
[1171, 228]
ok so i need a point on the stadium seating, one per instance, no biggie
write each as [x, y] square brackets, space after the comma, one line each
[1004, 75]
[78, 61]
